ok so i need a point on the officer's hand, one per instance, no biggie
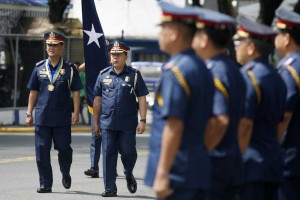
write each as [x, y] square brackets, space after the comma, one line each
[29, 120]
[141, 128]
[97, 132]
[161, 186]
[75, 118]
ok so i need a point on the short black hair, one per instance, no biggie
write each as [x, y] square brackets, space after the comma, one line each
[220, 36]
[188, 29]
[294, 33]
[264, 47]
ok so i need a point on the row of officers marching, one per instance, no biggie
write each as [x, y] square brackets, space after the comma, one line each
[218, 131]
[247, 119]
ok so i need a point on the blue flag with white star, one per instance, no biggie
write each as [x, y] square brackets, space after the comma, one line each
[95, 52]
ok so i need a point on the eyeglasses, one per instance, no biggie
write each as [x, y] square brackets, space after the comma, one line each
[240, 41]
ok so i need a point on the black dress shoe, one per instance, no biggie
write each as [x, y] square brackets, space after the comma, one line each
[66, 181]
[92, 172]
[131, 184]
[44, 190]
[109, 194]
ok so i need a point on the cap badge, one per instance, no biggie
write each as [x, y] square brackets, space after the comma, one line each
[116, 44]
[52, 35]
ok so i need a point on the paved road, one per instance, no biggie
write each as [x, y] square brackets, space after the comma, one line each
[19, 176]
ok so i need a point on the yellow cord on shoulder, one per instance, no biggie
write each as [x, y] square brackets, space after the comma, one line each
[181, 80]
[220, 86]
[294, 75]
[255, 85]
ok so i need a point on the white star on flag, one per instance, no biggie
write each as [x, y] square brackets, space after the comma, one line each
[93, 36]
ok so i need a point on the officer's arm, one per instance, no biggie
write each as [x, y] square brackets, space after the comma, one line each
[244, 133]
[215, 131]
[32, 100]
[171, 138]
[142, 106]
[96, 109]
[81, 67]
[76, 101]
[282, 126]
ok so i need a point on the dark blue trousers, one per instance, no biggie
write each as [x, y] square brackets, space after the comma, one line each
[290, 189]
[61, 137]
[95, 148]
[259, 191]
[226, 177]
[113, 142]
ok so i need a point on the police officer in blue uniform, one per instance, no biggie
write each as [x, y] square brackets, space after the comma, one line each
[178, 164]
[116, 90]
[95, 147]
[50, 85]
[287, 43]
[215, 31]
[264, 108]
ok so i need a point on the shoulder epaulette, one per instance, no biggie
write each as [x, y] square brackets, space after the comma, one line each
[40, 63]
[68, 63]
[132, 68]
[105, 70]
[250, 66]
[168, 66]
[210, 65]
[289, 61]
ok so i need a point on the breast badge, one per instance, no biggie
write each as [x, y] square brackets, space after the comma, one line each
[62, 72]
[107, 81]
[127, 79]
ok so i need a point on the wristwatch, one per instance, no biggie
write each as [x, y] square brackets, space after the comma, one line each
[143, 120]
[28, 114]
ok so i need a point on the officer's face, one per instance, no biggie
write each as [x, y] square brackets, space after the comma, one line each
[166, 37]
[118, 60]
[241, 48]
[199, 43]
[55, 50]
[280, 41]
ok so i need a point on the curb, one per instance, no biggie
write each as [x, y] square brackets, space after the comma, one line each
[79, 129]
[24, 129]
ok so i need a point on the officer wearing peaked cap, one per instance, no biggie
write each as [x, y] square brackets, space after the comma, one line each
[50, 84]
[287, 43]
[95, 147]
[264, 108]
[178, 164]
[214, 32]
[115, 116]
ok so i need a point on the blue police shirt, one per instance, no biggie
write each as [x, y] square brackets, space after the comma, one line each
[291, 141]
[53, 108]
[262, 159]
[119, 106]
[186, 93]
[229, 100]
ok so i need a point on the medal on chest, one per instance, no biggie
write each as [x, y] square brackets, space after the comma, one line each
[53, 78]
[50, 87]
